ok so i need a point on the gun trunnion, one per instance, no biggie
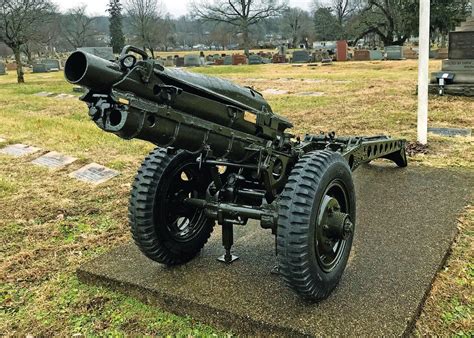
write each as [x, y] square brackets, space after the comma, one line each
[223, 155]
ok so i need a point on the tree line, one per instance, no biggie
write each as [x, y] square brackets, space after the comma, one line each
[35, 26]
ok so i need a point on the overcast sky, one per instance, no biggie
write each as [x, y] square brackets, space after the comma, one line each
[174, 7]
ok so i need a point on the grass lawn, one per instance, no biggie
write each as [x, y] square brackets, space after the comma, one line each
[50, 223]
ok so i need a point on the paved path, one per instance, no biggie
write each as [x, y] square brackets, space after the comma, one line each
[406, 223]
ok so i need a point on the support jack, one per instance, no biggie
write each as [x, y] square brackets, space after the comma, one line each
[227, 242]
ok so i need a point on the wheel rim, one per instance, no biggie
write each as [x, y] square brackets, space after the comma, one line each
[183, 222]
[333, 226]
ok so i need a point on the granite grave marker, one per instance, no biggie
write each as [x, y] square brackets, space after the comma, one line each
[52, 64]
[301, 56]
[94, 173]
[191, 60]
[461, 45]
[255, 60]
[19, 150]
[40, 68]
[394, 52]
[457, 73]
[376, 55]
[341, 50]
[54, 160]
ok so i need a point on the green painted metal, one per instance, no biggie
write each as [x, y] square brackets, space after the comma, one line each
[205, 115]
[220, 125]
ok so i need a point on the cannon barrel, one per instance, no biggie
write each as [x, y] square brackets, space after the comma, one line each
[91, 71]
[174, 108]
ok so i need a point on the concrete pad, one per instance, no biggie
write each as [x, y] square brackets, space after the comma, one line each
[406, 221]
[54, 160]
[19, 150]
[94, 173]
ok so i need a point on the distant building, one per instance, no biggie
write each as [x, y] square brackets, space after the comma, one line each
[324, 45]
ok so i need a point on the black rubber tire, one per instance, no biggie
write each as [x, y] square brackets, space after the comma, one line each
[149, 231]
[299, 207]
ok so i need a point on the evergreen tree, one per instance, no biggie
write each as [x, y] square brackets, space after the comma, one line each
[326, 26]
[117, 38]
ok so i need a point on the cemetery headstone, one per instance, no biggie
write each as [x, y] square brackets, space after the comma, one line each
[300, 56]
[239, 59]
[361, 55]
[278, 58]
[451, 132]
[409, 53]
[45, 94]
[442, 53]
[461, 45]
[52, 64]
[11, 66]
[106, 53]
[3, 70]
[228, 60]
[94, 173]
[179, 61]
[255, 60]
[54, 160]
[326, 61]
[65, 96]
[457, 73]
[191, 60]
[273, 91]
[376, 55]
[40, 68]
[169, 62]
[310, 94]
[19, 150]
[341, 50]
[394, 52]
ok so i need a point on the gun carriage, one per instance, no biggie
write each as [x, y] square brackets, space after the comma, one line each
[223, 156]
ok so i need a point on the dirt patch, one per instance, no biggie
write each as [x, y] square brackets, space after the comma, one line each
[414, 148]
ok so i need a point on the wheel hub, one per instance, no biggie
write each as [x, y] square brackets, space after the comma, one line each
[336, 225]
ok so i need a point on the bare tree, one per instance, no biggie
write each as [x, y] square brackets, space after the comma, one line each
[167, 30]
[77, 27]
[296, 21]
[240, 13]
[221, 35]
[20, 21]
[144, 17]
[342, 9]
[48, 37]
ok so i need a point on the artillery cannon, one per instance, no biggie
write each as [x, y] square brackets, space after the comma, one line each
[223, 156]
